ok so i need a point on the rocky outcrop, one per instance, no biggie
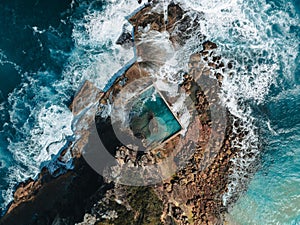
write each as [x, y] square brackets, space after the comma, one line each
[64, 198]
[193, 195]
[199, 169]
[48, 198]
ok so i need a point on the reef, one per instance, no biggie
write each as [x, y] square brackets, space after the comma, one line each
[195, 178]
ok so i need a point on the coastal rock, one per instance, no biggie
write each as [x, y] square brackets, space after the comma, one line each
[87, 95]
[25, 192]
[84, 107]
[88, 220]
[58, 199]
[194, 194]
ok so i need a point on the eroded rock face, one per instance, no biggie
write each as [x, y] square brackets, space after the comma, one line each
[60, 200]
[84, 107]
[25, 192]
[126, 40]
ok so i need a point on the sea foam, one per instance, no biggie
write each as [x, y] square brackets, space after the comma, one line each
[39, 117]
[256, 38]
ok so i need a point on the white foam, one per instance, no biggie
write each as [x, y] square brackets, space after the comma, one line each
[156, 47]
[171, 88]
[37, 144]
[5, 60]
[245, 34]
[55, 123]
[37, 30]
[95, 57]
[2, 107]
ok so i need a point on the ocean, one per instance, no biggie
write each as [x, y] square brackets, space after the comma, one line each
[48, 49]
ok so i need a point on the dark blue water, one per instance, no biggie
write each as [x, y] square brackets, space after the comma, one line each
[26, 53]
[48, 49]
[24, 50]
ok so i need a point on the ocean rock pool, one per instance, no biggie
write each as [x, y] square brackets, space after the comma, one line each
[150, 118]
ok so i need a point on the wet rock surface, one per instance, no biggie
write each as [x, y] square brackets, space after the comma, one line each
[60, 200]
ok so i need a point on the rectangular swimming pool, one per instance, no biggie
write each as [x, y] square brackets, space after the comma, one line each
[151, 119]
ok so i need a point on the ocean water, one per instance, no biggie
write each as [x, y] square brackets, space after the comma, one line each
[33, 48]
[273, 196]
[47, 50]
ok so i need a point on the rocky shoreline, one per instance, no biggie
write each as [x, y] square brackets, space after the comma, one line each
[192, 195]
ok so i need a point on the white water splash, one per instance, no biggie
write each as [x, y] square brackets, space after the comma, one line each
[96, 57]
[39, 116]
[256, 38]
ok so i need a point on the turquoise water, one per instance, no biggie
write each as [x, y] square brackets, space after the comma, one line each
[151, 117]
[273, 196]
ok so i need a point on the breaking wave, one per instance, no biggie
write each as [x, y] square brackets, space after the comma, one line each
[39, 123]
[258, 43]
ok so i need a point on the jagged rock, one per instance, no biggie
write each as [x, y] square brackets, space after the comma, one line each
[208, 45]
[125, 40]
[86, 95]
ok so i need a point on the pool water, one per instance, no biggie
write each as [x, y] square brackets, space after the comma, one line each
[151, 119]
